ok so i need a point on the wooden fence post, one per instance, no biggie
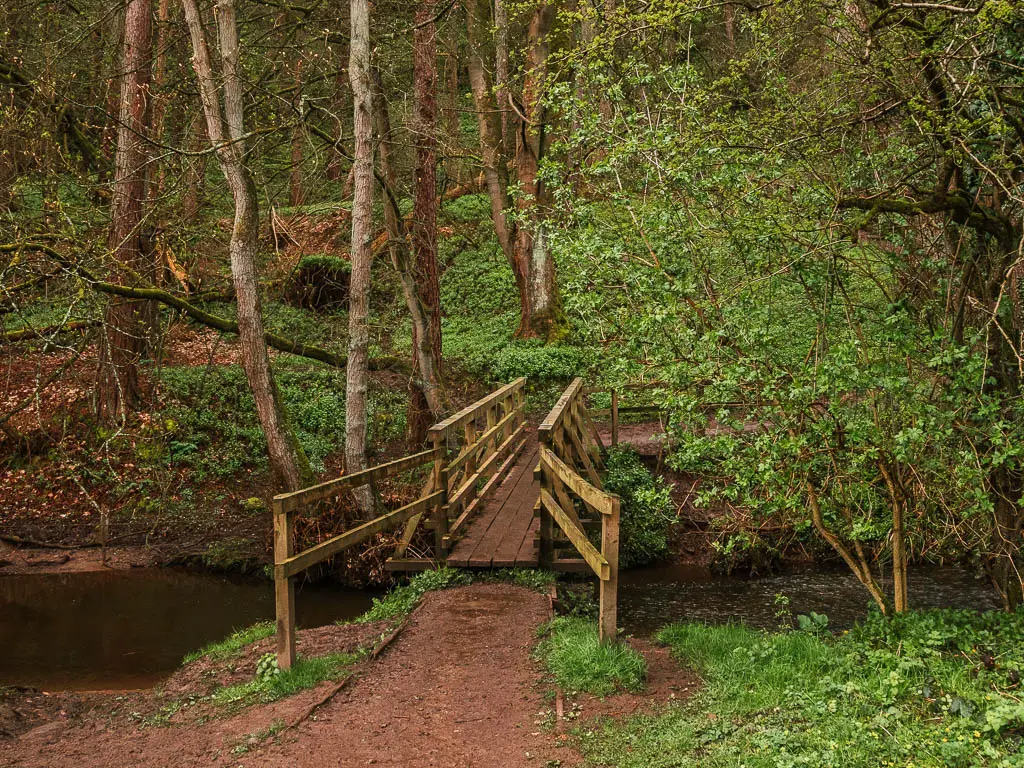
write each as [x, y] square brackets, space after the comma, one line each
[284, 587]
[615, 417]
[609, 588]
[440, 477]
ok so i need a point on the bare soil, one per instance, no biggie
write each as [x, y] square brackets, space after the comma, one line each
[458, 687]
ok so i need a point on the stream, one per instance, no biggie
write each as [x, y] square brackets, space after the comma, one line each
[130, 629]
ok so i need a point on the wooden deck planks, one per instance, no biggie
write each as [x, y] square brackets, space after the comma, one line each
[501, 535]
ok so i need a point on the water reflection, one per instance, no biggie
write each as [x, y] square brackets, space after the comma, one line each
[649, 598]
[122, 629]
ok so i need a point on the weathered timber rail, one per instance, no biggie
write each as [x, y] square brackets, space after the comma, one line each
[288, 564]
[571, 493]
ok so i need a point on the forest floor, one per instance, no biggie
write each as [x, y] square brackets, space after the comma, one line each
[458, 686]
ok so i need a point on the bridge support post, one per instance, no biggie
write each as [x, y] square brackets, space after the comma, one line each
[284, 587]
[609, 588]
[440, 483]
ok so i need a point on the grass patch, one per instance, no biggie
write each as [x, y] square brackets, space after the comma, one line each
[402, 599]
[579, 661]
[233, 643]
[305, 673]
[932, 689]
[536, 579]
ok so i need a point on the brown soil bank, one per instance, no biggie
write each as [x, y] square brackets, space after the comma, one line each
[457, 688]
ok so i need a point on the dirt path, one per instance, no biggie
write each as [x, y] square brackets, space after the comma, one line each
[457, 688]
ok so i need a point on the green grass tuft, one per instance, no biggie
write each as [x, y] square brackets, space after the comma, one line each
[233, 643]
[579, 661]
[306, 673]
[401, 600]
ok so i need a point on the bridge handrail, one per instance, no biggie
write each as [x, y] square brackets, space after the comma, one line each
[473, 410]
[288, 563]
[570, 448]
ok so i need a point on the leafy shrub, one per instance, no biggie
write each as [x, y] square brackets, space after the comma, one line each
[647, 509]
[538, 361]
[579, 661]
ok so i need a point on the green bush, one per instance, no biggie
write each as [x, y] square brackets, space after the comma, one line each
[539, 362]
[579, 661]
[647, 508]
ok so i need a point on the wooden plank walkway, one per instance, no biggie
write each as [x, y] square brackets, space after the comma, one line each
[504, 531]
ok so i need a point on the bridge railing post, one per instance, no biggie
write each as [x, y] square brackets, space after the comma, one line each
[284, 587]
[440, 483]
[609, 588]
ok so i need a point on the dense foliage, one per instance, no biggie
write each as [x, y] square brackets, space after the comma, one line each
[938, 688]
[647, 511]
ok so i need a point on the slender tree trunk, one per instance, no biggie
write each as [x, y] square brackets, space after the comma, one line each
[541, 313]
[159, 97]
[337, 165]
[127, 323]
[492, 147]
[451, 89]
[501, 69]
[195, 170]
[296, 195]
[357, 372]
[900, 506]
[426, 377]
[1005, 562]
[425, 402]
[226, 130]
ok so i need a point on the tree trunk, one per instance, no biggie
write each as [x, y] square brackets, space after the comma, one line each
[127, 323]
[1005, 563]
[425, 388]
[492, 147]
[337, 165]
[225, 129]
[296, 196]
[540, 310]
[357, 373]
[195, 170]
[501, 69]
[425, 400]
[159, 97]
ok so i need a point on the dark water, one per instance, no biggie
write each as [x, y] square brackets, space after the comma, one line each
[650, 598]
[113, 630]
[110, 630]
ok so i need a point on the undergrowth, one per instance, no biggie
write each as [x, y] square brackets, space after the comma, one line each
[647, 511]
[932, 689]
[579, 661]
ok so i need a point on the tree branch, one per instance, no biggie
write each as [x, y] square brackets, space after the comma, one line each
[201, 316]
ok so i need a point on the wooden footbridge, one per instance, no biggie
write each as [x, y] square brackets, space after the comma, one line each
[498, 494]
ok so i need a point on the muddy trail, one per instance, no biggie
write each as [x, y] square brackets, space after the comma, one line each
[456, 687]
